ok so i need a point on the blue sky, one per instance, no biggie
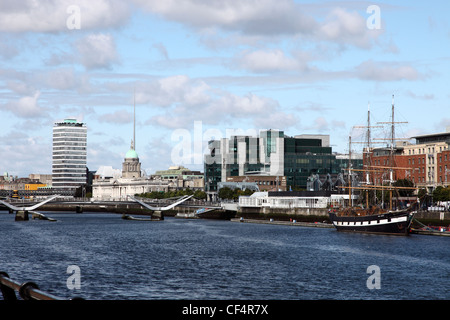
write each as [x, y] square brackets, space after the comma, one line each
[203, 69]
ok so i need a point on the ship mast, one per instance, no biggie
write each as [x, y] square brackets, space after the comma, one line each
[376, 169]
[368, 152]
[368, 155]
[350, 202]
[392, 150]
[391, 155]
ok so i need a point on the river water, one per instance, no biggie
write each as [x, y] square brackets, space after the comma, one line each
[218, 260]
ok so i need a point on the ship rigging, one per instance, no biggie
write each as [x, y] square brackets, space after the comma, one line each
[374, 218]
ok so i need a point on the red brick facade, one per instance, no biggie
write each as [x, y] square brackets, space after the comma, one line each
[443, 163]
[421, 171]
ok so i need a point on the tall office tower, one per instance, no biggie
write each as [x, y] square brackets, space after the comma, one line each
[69, 154]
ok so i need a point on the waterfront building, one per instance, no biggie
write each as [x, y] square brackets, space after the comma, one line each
[273, 154]
[34, 186]
[295, 201]
[20, 184]
[262, 182]
[113, 184]
[69, 169]
[181, 177]
[426, 163]
[121, 188]
[43, 178]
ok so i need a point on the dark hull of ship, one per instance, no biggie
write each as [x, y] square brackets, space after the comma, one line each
[393, 222]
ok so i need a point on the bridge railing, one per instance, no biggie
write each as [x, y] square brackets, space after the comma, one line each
[27, 290]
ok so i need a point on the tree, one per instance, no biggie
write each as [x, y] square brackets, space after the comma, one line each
[198, 194]
[404, 183]
[225, 193]
[441, 194]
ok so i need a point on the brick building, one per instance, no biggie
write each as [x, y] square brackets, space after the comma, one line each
[426, 163]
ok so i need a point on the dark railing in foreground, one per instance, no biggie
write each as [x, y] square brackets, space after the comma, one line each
[27, 290]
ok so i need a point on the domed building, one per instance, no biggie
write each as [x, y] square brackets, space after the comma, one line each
[131, 167]
[131, 181]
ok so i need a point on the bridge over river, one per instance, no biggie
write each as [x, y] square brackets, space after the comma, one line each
[131, 205]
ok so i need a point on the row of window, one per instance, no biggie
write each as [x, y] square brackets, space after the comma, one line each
[67, 161]
[72, 142]
[72, 147]
[68, 177]
[65, 169]
[60, 158]
[430, 150]
[81, 135]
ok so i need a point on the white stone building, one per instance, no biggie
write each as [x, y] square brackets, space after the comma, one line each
[107, 185]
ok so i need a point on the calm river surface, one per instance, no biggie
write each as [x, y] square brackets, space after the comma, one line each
[210, 259]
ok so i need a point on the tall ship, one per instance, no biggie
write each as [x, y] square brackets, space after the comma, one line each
[374, 216]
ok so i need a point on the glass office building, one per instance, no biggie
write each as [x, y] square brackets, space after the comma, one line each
[274, 154]
[69, 169]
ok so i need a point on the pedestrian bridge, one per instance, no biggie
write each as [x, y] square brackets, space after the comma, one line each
[22, 209]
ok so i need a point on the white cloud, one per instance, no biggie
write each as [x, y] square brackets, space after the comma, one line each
[386, 71]
[344, 27]
[321, 124]
[444, 124]
[249, 17]
[97, 51]
[242, 106]
[61, 79]
[117, 117]
[268, 61]
[277, 119]
[250, 20]
[183, 101]
[101, 154]
[20, 87]
[420, 97]
[27, 107]
[51, 16]
[170, 90]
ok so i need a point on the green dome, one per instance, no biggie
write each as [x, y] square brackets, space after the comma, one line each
[131, 154]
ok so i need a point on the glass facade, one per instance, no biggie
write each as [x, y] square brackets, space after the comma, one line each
[69, 154]
[297, 158]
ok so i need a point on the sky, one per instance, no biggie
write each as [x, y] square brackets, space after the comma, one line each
[201, 70]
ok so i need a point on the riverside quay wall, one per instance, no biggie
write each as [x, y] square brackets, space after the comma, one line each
[321, 215]
[299, 214]
[439, 217]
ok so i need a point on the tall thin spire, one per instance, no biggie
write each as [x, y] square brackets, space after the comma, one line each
[134, 119]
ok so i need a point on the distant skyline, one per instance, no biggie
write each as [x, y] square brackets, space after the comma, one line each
[203, 69]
